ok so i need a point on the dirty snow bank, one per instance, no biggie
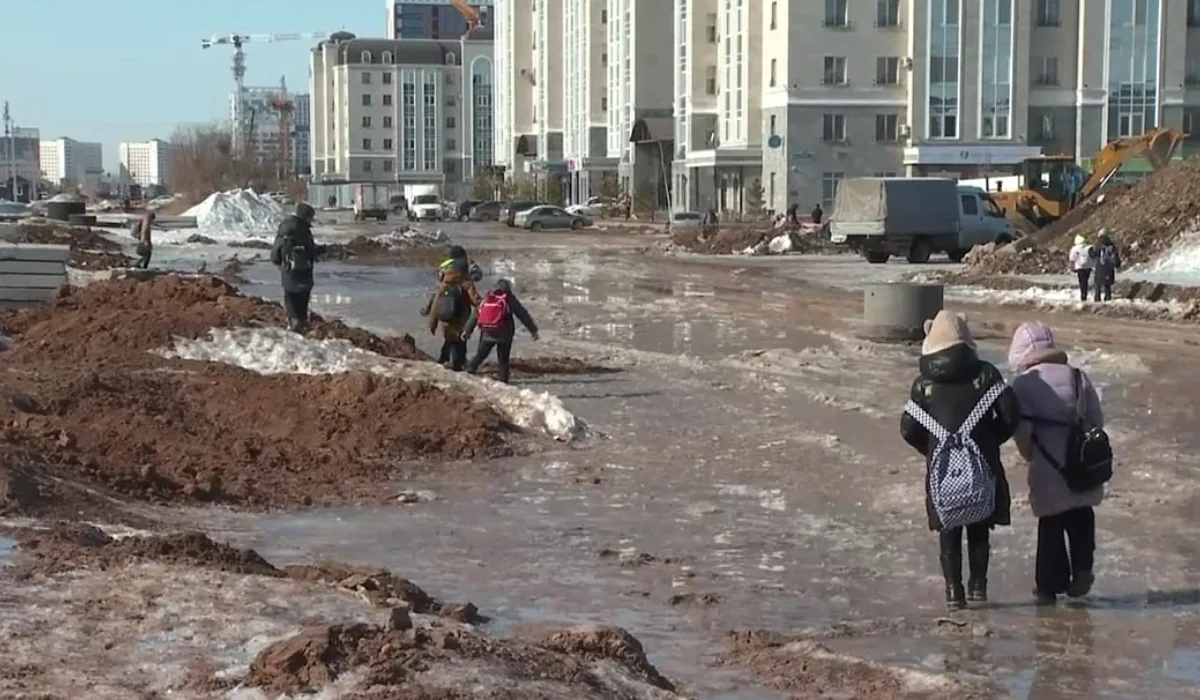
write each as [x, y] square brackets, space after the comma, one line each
[276, 351]
[1179, 264]
[235, 213]
[411, 237]
[1060, 299]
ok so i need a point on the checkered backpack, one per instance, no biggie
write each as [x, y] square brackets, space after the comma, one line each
[961, 484]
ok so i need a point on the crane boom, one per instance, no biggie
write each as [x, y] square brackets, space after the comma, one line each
[469, 13]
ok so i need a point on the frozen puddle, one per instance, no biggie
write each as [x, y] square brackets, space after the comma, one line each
[276, 351]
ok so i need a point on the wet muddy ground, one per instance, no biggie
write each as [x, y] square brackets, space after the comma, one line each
[747, 474]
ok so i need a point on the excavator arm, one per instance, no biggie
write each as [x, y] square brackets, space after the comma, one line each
[1157, 145]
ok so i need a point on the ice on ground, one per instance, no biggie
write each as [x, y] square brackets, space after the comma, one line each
[1064, 298]
[236, 214]
[276, 351]
[1179, 264]
[411, 237]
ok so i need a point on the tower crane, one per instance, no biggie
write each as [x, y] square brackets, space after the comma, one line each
[238, 41]
[468, 12]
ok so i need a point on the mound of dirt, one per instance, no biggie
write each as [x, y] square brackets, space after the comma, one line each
[417, 252]
[89, 249]
[383, 588]
[722, 241]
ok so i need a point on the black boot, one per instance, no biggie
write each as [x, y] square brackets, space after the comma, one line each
[977, 563]
[956, 596]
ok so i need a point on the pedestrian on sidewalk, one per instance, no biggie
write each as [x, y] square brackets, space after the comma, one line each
[959, 413]
[1058, 405]
[1108, 261]
[495, 319]
[1081, 261]
[294, 253]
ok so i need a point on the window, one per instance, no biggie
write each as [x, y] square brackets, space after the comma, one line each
[944, 52]
[451, 145]
[1048, 13]
[887, 70]
[451, 59]
[449, 78]
[1191, 74]
[604, 16]
[604, 59]
[366, 166]
[829, 188]
[970, 205]
[366, 143]
[835, 13]
[710, 80]
[774, 14]
[1045, 70]
[387, 122]
[389, 165]
[1191, 122]
[387, 78]
[365, 57]
[885, 173]
[1045, 128]
[1193, 16]
[366, 77]
[387, 100]
[367, 100]
[710, 27]
[835, 71]
[603, 103]
[429, 123]
[771, 130]
[450, 122]
[387, 144]
[772, 84]
[408, 109]
[995, 103]
[887, 13]
[833, 128]
[366, 122]
[387, 58]
[887, 128]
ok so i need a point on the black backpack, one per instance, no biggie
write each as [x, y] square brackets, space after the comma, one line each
[449, 303]
[295, 256]
[1089, 453]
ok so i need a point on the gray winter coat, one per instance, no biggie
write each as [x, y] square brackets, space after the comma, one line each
[1046, 393]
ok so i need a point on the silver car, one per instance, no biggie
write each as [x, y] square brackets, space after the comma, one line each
[548, 217]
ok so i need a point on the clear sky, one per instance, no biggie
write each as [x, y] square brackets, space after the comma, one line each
[131, 70]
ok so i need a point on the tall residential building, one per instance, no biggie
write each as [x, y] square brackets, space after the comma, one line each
[146, 163]
[20, 163]
[264, 142]
[585, 97]
[432, 19]
[515, 78]
[67, 161]
[412, 111]
[640, 129]
[548, 88]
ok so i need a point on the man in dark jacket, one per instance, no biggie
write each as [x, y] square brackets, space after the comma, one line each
[498, 310]
[1107, 261]
[294, 253]
[952, 382]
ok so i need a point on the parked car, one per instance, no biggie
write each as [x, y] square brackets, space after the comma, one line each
[509, 213]
[583, 210]
[548, 217]
[486, 211]
[686, 219]
[462, 210]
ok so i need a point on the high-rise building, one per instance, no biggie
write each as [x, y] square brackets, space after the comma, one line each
[432, 19]
[264, 121]
[146, 163]
[515, 79]
[67, 161]
[585, 97]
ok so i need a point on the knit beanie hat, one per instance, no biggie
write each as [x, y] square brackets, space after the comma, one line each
[946, 330]
[1080, 239]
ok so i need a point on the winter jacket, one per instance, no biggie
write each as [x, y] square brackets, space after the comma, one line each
[295, 232]
[951, 383]
[508, 329]
[1107, 271]
[1045, 389]
[455, 275]
[1080, 257]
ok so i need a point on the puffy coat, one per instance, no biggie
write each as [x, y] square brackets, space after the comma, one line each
[455, 275]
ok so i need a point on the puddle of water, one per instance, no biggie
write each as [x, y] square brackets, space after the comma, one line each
[6, 549]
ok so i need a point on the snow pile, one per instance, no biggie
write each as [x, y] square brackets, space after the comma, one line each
[777, 245]
[234, 213]
[1181, 261]
[412, 238]
[1061, 298]
[276, 351]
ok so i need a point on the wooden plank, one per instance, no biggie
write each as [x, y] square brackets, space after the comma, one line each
[25, 295]
[35, 251]
[32, 281]
[31, 267]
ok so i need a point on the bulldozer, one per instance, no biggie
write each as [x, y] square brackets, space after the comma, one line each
[1044, 195]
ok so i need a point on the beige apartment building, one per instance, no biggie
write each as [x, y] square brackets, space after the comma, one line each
[585, 96]
[515, 82]
[800, 94]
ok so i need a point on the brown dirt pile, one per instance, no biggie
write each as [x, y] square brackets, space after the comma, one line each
[392, 658]
[724, 241]
[365, 250]
[89, 249]
[383, 588]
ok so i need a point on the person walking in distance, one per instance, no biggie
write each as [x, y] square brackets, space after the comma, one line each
[454, 300]
[1061, 437]
[145, 245]
[1108, 261]
[959, 413]
[294, 253]
[495, 320]
[1080, 259]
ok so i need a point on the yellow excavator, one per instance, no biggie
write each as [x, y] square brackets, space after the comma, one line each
[1044, 195]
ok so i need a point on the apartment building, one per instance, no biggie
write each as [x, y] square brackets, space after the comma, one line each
[146, 163]
[515, 141]
[67, 161]
[264, 140]
[20, 163]
[432, 19]
[585, 96]
[547, 37]
[412, 111]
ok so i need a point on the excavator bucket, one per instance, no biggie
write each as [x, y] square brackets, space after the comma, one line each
[1162, 146]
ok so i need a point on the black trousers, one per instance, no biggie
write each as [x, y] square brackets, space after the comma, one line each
[503, 357]
[1085, 276]
[978, 548]
[453, 352]
[1066, 547]
[296, 305]
[144, 252]
[1104, 284]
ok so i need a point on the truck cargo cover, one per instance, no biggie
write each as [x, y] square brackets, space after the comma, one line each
[898, 206]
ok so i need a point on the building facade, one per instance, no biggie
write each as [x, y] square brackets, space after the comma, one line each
[433, 19]
[20, 163]
[146, 163]
[515, 80]
[410, 111]
[264, 137]
[585, 97]
[67, 161]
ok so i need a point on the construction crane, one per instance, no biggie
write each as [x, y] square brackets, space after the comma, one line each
[284, 107]
[238, 41]
[468, 12]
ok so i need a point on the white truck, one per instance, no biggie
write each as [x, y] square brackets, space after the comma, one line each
[372, 201]
[424, 202]
[915, 217]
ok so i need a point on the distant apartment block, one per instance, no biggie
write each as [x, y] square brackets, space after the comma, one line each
[432, 19]
[20, 162]
[585, 96]
[516, 142]
[264, 122]
[67, 161]
[411, 111]
[146, 163]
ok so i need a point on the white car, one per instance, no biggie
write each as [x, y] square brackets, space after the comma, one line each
[583, 210]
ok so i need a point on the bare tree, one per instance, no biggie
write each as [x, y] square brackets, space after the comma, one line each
[203, 162]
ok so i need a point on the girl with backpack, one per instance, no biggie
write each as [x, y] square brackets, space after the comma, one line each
[1107, 262]
[959, 413]
[495, 317]
[1061, 437]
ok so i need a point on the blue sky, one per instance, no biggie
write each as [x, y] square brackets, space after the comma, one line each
[131, 70]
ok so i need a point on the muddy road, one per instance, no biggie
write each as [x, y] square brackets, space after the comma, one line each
[744, 505]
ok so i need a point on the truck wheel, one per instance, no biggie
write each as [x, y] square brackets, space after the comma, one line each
[957, 255]
[876, 257]
[920, 251]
